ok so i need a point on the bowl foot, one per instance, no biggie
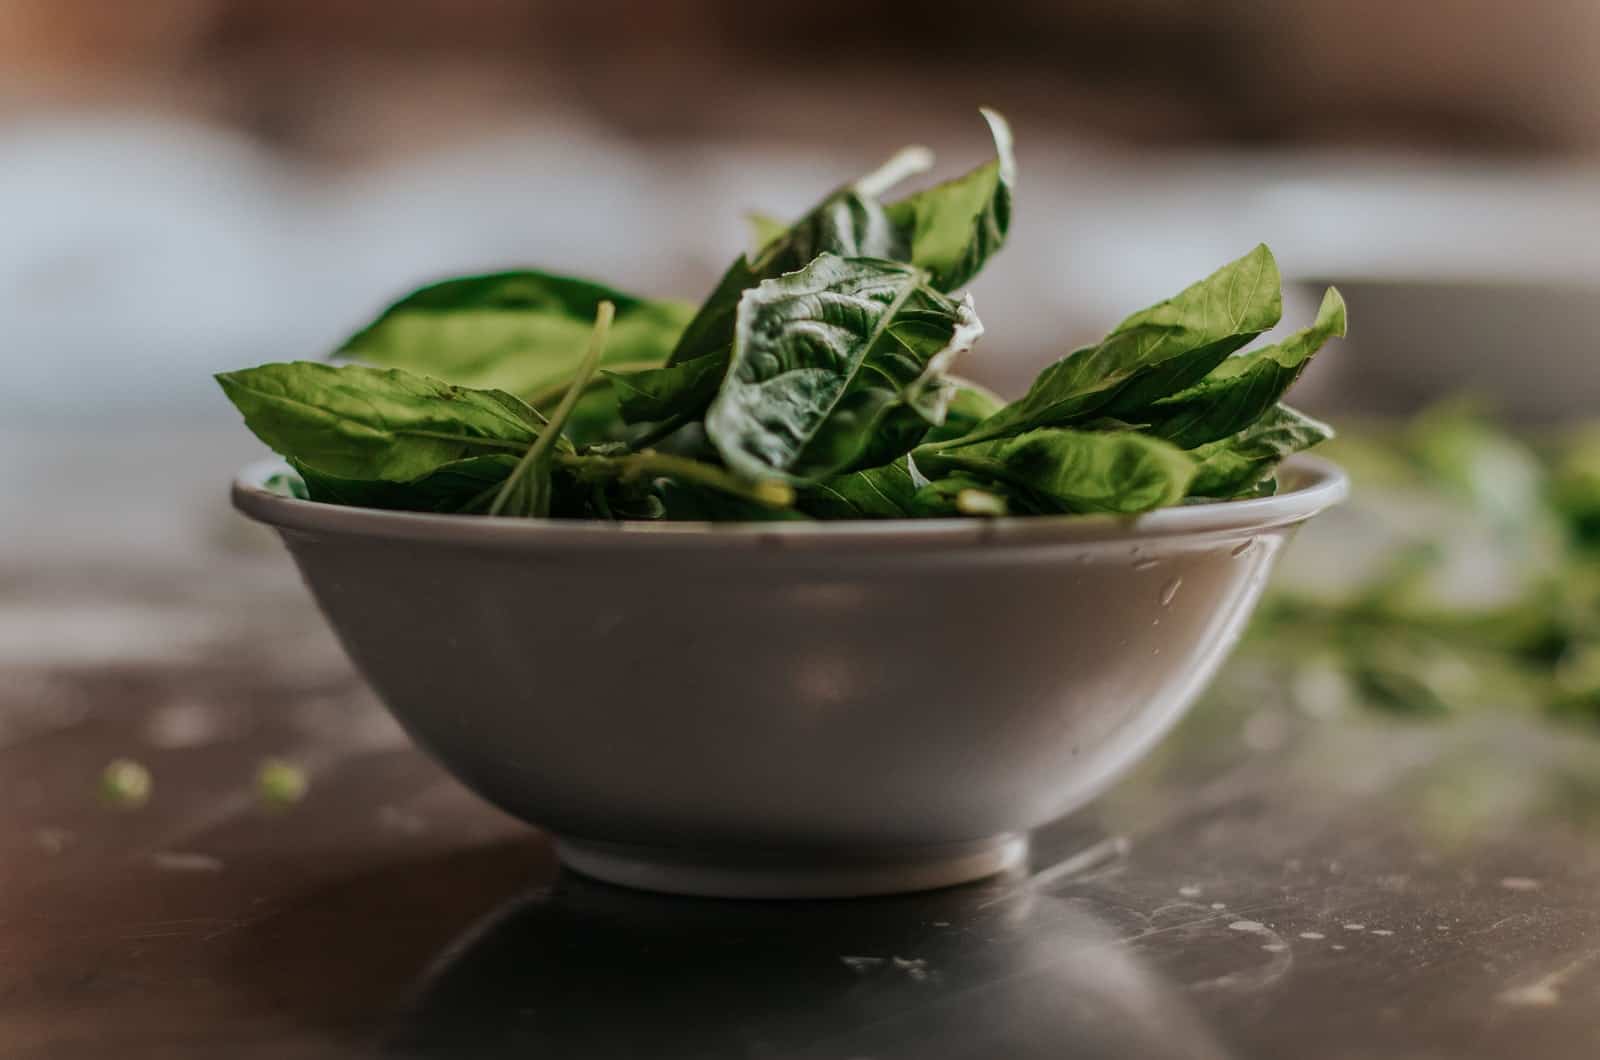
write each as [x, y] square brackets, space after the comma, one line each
[736, 873]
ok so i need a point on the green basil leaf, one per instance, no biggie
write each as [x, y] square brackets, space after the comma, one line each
[953, 228]
[822, 356]
[355, 422]
[1155, 352]
[522, 331]
[1242, 388]
[466, 485]
[1121, 472]
[846, 223]
[661, 393]
[887, 492]
[850, 222]
[1234, 466]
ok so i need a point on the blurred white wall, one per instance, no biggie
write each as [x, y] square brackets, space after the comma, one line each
[139, 254]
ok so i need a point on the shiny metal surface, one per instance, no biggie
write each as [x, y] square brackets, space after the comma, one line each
[1268, 885]
[824, 711]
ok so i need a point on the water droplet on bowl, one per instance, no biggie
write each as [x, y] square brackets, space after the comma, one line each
[1170, 590]
[1146, 564]
[1240, 550]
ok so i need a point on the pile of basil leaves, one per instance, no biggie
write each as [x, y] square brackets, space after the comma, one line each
[813, 383]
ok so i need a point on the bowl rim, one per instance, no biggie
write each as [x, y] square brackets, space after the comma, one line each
[1314, 484]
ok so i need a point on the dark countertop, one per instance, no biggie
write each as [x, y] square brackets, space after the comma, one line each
[1268, 885]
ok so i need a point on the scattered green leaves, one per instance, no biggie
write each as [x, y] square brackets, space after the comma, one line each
[1458, 579]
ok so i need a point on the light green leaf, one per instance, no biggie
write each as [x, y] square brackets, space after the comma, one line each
[523, 332]
[1242, 388]
[1122, 472]
[1234, 466]
[822, 356]
[355, 422]
[1153, 353]
[953, 228]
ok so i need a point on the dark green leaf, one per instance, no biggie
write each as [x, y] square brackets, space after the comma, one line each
[887, 492]
[1153, 353]
[953, 228]
[1235, 465]
[1242, 388]
[466, 485]
[823, 355]
[1121, 472]
[355, 422]
[662, 393]
[523, 331]
[846, 223]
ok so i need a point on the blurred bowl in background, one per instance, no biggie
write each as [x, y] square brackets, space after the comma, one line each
[1529, 349]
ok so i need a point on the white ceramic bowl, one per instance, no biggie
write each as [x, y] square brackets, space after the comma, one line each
[786, 710]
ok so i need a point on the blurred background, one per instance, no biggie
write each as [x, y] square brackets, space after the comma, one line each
[190, 185]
